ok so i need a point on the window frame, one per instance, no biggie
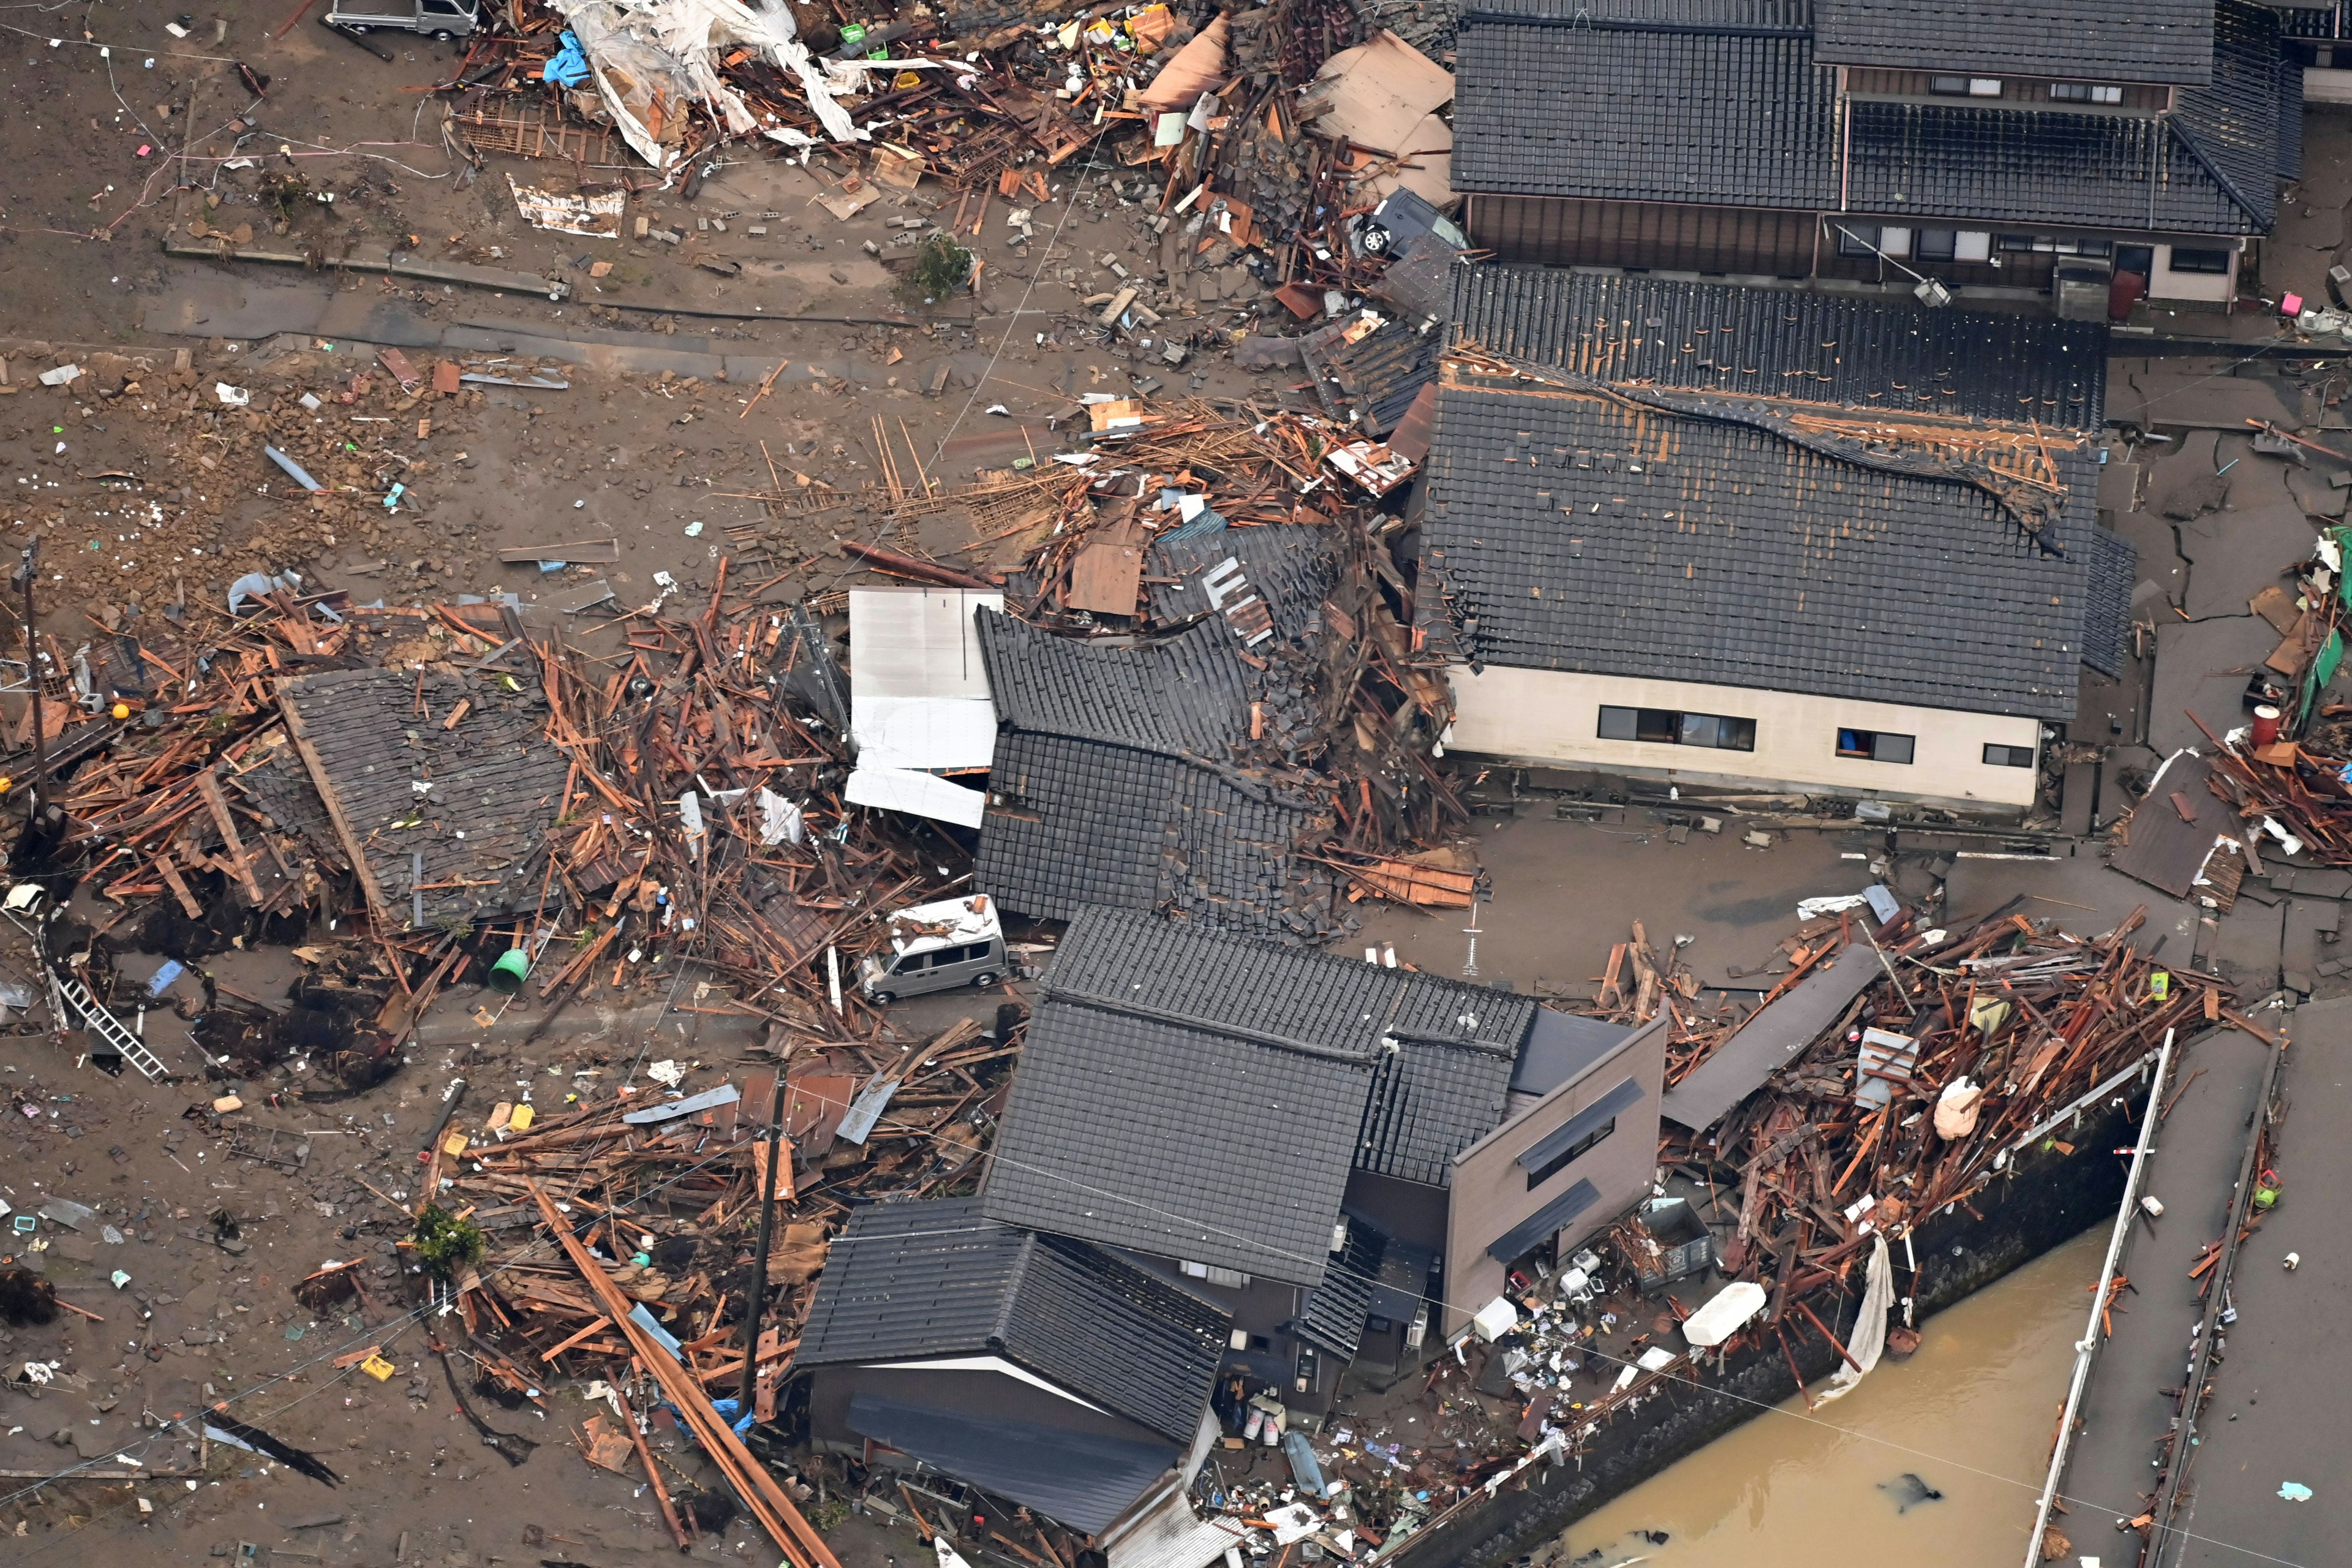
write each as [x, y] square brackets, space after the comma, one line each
[1857, 241]
[2010, 757]
[1947, 86]
[1571, 1154]
[1701, 731]
[2172, 261]
[1874, 741]
[1937, 244]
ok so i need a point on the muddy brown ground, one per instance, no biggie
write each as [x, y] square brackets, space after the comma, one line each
[627, 451]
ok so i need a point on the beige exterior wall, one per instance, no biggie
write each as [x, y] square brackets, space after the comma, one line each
[1554, 716]
[2209, 287]
[1489, 1193]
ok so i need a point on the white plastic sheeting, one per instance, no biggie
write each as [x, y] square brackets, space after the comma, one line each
[638, 48]
[1869, 1336]
[923, 794]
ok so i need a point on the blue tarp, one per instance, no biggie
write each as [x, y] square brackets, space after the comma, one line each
[570, 65]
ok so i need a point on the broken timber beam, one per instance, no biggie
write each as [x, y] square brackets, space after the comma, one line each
[208, 785]
[802, 1546]
[377, 914]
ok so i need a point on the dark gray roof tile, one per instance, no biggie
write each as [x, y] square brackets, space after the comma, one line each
[2082, 40]
[1168, 1068]
[1178, 1142]
[915, 1281]
[1712, 106]
[1788, 344]
[1579, 532]
[1183, 696]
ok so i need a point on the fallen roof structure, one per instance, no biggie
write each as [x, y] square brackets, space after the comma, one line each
[1112, 786]
[440, 823]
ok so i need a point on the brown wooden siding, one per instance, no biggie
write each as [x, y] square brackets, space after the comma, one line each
[2026, 271]
[1560, 231]
[2022, 91]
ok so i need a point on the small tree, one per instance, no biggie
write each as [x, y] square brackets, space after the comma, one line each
[445, 1244]
[941, 266]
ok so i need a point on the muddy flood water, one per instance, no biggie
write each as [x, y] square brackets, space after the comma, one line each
[1846, 1485]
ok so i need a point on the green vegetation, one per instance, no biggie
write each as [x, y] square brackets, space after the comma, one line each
[941, 266]
[445, 1244]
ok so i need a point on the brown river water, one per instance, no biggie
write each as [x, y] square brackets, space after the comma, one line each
[1970, 1416]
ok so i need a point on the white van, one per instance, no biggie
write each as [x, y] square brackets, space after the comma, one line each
[937, 947]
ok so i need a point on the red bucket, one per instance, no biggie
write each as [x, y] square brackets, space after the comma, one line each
[2266, 724]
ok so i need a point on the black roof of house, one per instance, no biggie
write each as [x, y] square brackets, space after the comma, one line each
[2208, 168]
[2080, 40]
[1077, 823]
[1855, 350]
[916, 1281]
[1569, 528]
[1113, 785]
[1183, 694]
[1715, 101]
[1205, 1098]
[1727, 103]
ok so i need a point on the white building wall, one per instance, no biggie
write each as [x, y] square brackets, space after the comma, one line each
[1554, 716]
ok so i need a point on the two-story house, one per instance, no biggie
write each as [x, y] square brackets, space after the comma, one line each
[2101, 154]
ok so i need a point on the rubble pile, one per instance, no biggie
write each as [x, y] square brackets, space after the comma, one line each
[1930, 1082]
[1253, 144]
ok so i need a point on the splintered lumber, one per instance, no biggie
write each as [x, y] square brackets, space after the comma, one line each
[801, 1544]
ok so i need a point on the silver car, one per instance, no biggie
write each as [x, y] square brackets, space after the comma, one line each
[442, 19]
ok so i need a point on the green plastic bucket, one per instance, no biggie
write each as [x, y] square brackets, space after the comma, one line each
[507, 974]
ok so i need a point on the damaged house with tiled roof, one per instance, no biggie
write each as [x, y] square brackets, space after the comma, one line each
[1321, 1146]
[1767, 539]
[2093, 151]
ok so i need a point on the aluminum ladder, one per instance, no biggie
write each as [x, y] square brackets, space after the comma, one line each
[108, 1029]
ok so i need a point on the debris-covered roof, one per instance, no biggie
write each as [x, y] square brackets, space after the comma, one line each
[1291, 565]
[1726, 103]
[1249, 1079]
[2079, 40]
[473, 800]
[917, 1280]
[1849, 349]
[1573, 528]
